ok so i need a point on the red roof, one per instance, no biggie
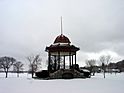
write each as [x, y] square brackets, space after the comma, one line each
[68, 48]
[62, 39]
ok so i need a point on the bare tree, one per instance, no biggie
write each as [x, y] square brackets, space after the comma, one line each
[18, 66]
[108, 59]
[91, 63]
[105, 59]
[34, 61]
[6, 63]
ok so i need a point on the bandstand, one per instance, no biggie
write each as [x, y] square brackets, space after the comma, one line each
[62, 60]
[62, 56]
[61, 52]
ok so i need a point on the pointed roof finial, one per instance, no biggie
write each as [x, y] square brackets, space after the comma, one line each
[61, 27]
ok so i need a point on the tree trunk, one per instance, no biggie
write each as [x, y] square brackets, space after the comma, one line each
[32, 72]
[104, 73]
[103, 67]
[93, 73]
[17, 74]
[6, 74]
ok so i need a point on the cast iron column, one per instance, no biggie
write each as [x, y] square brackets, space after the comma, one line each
[58, 60]
[70, 59]
[64, 62]
[49, 59]
[75, 60]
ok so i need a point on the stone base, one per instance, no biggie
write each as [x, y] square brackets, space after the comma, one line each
[66, 74]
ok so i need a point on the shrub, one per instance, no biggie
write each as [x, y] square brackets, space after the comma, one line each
[42, 74]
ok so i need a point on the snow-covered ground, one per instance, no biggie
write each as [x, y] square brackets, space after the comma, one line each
[96, 84]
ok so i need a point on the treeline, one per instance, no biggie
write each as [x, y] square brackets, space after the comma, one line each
[118, 65]
[7, 63]
[111, 67]
[104, 64]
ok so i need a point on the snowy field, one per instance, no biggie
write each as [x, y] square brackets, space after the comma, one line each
[96, 84]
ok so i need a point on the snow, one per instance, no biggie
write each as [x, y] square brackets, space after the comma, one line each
[113, 83]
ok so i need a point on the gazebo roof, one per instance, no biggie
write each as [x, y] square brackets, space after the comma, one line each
[61, 44]
[62, 48]
[62, 39]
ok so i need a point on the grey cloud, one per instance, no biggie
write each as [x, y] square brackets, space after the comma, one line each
[28, 26]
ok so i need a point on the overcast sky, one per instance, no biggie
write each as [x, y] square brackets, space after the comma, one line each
[28, 26]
